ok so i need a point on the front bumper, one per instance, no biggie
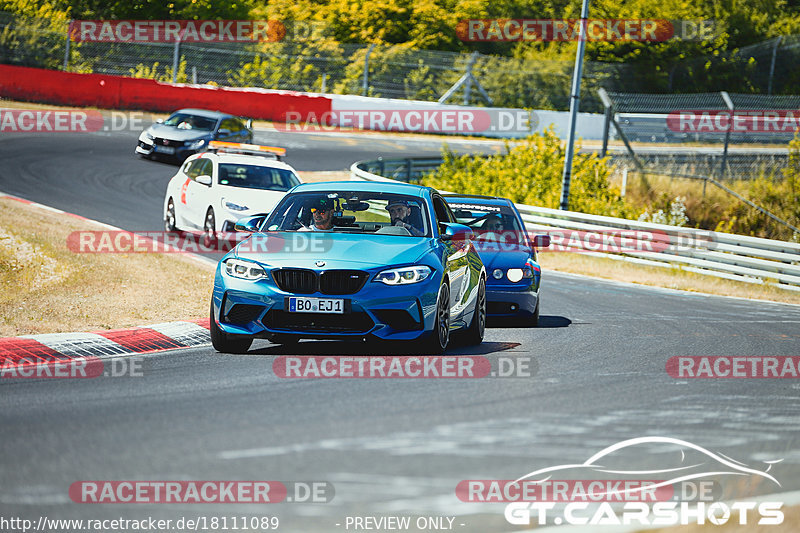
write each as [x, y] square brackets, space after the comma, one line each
[148, 149]
[505, 301]
[260, 309]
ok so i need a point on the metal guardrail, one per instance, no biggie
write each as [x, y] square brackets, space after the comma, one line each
[408, 170]
[722, 255]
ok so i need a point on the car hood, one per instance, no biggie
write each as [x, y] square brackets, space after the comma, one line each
[503, 256]
[174, 134]
[256, 200]
[304, 249]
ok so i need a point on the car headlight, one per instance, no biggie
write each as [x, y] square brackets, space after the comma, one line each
[239, 268]
[516, 274]
[146, 137]
[195, 145]
[404, 275]
[233, 206]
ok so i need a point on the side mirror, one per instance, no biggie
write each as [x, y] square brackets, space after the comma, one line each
[159, 121]
[249, 224]
[223, 132]
[541, 241]
[249, 124]
[456, 232]
[203, 180]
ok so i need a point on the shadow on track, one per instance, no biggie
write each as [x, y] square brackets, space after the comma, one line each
[362, 348]
[545, 322]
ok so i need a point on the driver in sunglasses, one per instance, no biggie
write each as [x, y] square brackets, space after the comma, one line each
[322, 213]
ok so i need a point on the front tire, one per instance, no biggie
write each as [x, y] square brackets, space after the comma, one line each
[170, 219]
[534, 322]
[477, 327]
[221, 341]
[436, 343]
[209, 230]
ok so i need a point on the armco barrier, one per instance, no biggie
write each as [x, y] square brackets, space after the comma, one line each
[722, 255]
[118, 92]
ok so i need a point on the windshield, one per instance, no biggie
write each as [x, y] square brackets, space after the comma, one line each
[352, 212]
[489, 222]
[256, 177]
[184, 121]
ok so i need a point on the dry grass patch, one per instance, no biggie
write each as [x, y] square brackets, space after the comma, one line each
[46, 288]
[673, 278]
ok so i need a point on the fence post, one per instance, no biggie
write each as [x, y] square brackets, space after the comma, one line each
[365, 81]
[607, 121]
[772, 63]
[468, 80]
[624, 182]
[66, 51]
[175, 60]
[728, 102]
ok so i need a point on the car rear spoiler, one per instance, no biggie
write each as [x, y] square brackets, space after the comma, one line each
[248, 149]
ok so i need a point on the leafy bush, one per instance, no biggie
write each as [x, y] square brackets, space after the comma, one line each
[153, 73]
[781, 197]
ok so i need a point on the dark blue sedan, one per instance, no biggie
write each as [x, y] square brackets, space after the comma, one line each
[188, 131]
[351, 260]
[513, 272]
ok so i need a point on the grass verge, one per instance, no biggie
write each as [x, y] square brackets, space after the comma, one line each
[46, 288]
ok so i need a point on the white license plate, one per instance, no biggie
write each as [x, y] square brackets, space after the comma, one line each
[165, 149]
[316, 305]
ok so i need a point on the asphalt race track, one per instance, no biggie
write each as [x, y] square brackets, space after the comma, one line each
[388, 446]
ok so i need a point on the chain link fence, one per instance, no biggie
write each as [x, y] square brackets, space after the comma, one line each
[318, 65]
[720, 130]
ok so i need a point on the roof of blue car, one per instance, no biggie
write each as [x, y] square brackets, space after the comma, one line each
[476, 199]
[364, 186]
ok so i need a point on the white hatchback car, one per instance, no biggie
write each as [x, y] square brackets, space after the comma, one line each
[214, 189]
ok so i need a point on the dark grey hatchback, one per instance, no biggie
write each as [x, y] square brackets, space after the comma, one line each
[188, 131]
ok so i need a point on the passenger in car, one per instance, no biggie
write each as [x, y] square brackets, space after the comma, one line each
[400, 213]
